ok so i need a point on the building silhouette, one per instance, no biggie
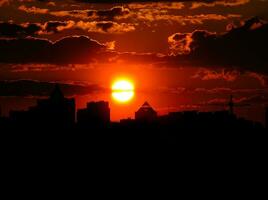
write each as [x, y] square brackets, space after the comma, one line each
[266, 118]
[202, 118]
[96, 114]
[231, 105]
[208, 122]
[56, 111]
[146, 113]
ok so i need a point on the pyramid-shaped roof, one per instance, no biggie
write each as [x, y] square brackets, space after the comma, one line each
[146, 107]
[146, 104]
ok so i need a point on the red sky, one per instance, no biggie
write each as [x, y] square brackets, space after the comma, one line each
[182, 55]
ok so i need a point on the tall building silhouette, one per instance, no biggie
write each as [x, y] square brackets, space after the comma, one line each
[95, 114]
[56, 111]
[146, 113]
[266, 118]
[231, 105]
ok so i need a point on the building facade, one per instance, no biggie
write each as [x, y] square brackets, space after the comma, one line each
[95, 114]
[266, 118]
[56, 111]
[146, 113]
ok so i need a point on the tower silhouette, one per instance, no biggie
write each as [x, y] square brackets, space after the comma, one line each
[146, 113]
[96, 114]
[55, 111]
[266, 118]
[56, 95]
[231, 105]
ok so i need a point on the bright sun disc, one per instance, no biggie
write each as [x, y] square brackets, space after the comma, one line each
[122, 91]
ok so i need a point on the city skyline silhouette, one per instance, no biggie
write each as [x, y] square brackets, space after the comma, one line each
[184, 58]
[60, 112]
[96, 90]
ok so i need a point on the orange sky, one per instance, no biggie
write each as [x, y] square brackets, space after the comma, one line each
[144, 42]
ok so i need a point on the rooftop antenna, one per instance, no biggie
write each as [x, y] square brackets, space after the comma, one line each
[231, 105]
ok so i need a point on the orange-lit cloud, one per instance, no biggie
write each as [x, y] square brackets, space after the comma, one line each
[241, 47]
[162, 15]
[93, 27]
[114, 13]
[105, 27]
[144, 14]
[67, 50]
[179, 43]
[51, 27]
[205, 74]
[196, 49]
[262, 78]
[219, 2]
[33, 10]
[162, 5]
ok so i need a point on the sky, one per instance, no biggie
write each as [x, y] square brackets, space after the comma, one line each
[180, 54]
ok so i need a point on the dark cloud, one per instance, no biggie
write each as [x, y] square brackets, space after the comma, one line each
[137, 11]
[11, 30]
[14, 30]
[105, 26]
[54, 26]
[144, 1]
[243, 47]
[24, 88]
[67, 50]
[101, 14]
[109, 14]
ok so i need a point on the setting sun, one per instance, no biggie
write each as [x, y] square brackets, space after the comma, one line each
[122, 91]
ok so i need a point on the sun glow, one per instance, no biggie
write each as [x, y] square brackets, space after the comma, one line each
[122, 91]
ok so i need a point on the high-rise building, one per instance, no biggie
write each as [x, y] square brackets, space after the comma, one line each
[146, 113]
[56, 111]
[266, 118]
[95, 114]
[231, 105]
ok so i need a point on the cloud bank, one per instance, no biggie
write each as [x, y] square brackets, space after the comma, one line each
[24, 88]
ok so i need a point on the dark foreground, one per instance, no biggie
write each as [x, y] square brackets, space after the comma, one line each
[143, 142]
[122, 158]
